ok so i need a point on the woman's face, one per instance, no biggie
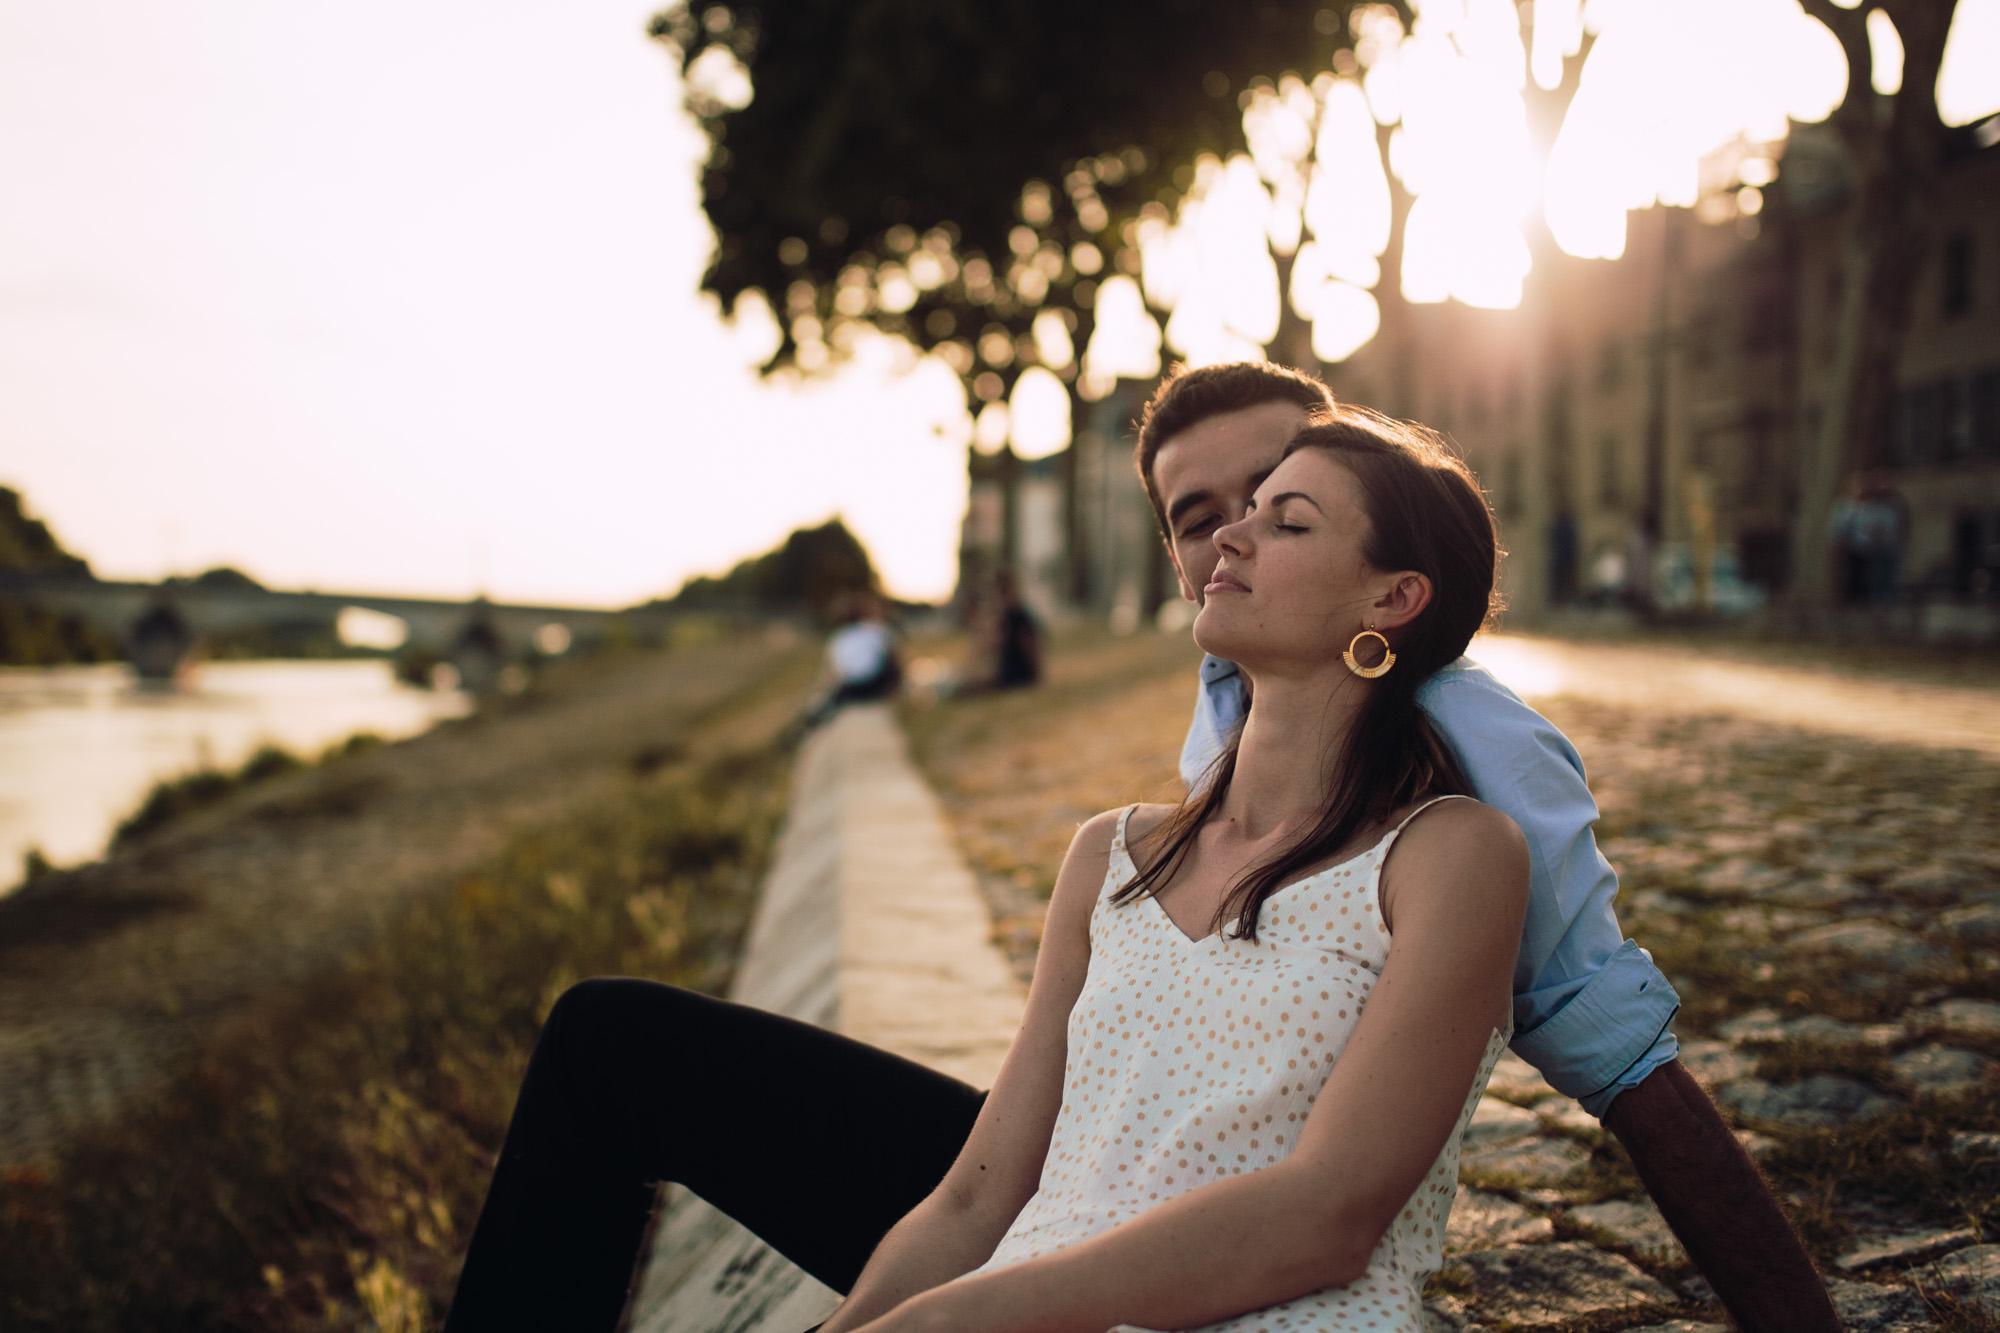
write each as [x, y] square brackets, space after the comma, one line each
[1291, 587]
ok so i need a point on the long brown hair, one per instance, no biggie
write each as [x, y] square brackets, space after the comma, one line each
[1425, 512]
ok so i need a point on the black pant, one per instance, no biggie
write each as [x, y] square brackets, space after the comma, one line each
[816, 1142]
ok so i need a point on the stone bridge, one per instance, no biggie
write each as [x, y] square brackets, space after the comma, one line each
[161, 624]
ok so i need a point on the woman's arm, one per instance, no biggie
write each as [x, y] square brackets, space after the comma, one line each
[958, 1225]
[1457, 883]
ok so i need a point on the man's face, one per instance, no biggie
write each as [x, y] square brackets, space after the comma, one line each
[1206, 475]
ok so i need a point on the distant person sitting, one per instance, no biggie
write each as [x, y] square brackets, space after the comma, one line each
[860, 656]
[1017, 638]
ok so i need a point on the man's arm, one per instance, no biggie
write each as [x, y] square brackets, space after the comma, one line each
[1717, 1203]
[1593, 1013]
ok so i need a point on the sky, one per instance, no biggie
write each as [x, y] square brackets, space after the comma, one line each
[403, 298]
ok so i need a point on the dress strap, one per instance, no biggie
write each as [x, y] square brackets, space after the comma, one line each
[1124, 818]
[1428, 804]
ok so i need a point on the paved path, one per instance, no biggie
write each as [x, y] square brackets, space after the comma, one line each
[1665, 679]
[868, 923]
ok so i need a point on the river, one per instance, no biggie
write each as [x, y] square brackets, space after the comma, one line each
[81, 746]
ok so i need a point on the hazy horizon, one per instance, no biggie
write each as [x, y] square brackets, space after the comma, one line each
[405, 300]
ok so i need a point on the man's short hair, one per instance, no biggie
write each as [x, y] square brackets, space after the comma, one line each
[1190, 395]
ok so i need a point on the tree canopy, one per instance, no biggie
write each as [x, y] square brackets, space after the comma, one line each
[802, 575]
[954, 144]
[27, 545]
[972, 178]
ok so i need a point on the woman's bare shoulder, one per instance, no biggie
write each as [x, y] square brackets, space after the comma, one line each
[1447, 841]
[1462, 822]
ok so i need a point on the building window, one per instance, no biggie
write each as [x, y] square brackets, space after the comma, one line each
[1610, 364]
[1957, 274]
[1955, 437]
[1946, 420]
[1986, 413]
[1975, 552]
[1924, 434]
[1698, 336]
[1608, 490]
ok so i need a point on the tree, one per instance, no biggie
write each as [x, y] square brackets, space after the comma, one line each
[27, 545]
[946, 174]
[222, 578]
[871, 135]
[804, 574]
[32, 635]
[1893, 147]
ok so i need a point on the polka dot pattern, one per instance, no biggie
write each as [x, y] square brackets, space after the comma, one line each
[1190, 1060]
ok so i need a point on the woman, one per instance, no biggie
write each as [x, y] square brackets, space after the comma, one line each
[1236, 1105]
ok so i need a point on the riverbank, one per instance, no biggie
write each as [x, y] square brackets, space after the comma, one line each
[82, 748]
[279, 1038]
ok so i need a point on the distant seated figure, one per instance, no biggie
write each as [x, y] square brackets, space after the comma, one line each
[1017, 638]
[861, 657]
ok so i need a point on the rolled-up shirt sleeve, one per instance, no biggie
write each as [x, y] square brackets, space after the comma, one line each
[1591, 1011]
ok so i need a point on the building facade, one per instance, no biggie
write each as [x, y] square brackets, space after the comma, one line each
[1639, 424]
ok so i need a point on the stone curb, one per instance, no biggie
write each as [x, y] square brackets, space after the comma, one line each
[868, 923]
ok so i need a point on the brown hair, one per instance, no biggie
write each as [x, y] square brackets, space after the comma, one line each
[1426, 512]
[1188, 396]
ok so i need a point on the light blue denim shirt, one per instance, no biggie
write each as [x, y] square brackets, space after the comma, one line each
[1591, 1011]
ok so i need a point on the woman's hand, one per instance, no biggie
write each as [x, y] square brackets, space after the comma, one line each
[933, 1311]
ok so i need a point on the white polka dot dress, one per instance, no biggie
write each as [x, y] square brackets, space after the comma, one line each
[1189, 1060]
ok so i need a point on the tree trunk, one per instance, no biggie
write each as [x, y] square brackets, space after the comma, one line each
[1292, 344]
[1008, 469]
[1879, 268]
[1894, 148]
[1076, 541]
[1076, 510]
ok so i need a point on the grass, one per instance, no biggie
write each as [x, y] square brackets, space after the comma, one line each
[175, 798]
[1897, 1167]
[322, 1162]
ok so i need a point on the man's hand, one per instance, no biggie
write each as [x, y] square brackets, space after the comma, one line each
[1717, 1203]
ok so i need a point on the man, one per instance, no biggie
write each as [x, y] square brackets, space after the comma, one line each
[860, 656]
[1017, 639]
[1591, 1011]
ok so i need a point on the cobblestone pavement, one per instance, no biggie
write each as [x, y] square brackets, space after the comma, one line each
[111, 974]
[1814, 861]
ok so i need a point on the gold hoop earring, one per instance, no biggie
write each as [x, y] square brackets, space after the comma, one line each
[1381, 668]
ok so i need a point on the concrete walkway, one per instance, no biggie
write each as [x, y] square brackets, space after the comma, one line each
[870, 924]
